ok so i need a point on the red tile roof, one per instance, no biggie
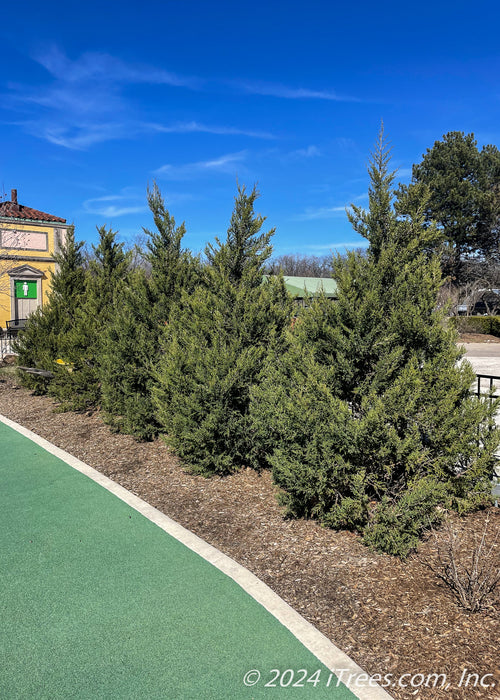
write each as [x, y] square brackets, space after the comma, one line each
[12, 210]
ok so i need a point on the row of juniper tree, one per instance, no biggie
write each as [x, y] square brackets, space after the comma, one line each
[360, 408]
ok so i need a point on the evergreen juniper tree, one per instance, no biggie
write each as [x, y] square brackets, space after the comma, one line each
[464, 197]
[38, 345]
[77, 384]
[131, 343]
[215, 344]
[367, 421]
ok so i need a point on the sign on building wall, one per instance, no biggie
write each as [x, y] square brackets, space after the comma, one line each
[23, 240]
[25, 290]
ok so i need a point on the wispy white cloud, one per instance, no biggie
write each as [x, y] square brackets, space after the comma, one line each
[89, 85]
[97, 66]
[227, 163]
[113, 205]
[321, 213]
[345, 143]
[85, 103]
[100, 66]
[130, 200]
[292, 93]
[312, 213]
[74, 111]
[309, 152]
[77, 136]
[81, 134]
[197, 127]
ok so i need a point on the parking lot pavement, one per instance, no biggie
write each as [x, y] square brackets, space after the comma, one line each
[484, 357]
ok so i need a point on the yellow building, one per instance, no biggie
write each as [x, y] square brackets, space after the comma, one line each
[28, 240]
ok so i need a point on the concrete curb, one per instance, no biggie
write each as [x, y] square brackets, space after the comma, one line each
[331, 656]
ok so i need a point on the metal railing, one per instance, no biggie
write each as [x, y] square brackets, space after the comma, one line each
[493, 382]
[491, 392]
[6, 345]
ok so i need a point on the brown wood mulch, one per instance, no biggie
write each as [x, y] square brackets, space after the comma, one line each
[391, 617]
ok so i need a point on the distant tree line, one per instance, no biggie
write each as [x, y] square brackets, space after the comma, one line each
[303, 265]
[297, 265]
[359, 409]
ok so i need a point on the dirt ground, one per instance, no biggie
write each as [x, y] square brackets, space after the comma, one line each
[478, 338]
[391, 617]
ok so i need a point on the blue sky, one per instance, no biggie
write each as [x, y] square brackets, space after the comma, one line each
[99, 99]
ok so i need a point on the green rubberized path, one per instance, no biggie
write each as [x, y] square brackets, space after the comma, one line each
[96, 601]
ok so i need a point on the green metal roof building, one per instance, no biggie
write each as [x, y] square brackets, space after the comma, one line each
[307, 287]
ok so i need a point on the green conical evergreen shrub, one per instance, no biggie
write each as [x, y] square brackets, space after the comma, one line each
[131, 342]
[215, 345]
[370, 402]
[77, 384]
[39, 345]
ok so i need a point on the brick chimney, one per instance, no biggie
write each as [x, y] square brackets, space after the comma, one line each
[13, 196]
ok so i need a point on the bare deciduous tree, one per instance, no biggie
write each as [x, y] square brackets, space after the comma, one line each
[297, 265]
[478, 292]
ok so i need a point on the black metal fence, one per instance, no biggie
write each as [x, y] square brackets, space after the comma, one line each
[489, 386]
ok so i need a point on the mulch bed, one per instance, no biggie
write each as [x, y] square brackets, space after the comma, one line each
[389, 616]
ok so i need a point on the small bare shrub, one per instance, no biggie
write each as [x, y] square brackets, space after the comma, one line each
[470, 571]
